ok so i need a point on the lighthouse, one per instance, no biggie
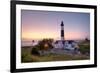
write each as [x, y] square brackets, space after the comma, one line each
[62, 33]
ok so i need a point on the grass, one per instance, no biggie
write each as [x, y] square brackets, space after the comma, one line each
[55, 57]
[84, 47]
[28, 57]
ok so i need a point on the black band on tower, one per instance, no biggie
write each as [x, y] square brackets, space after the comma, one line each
[62, 33]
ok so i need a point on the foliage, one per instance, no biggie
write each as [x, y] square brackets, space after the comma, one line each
[32, 54]
[45, 44]
[85, 47]
[26, 57]
[35, 51]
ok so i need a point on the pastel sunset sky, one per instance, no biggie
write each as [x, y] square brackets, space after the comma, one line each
[46, 24]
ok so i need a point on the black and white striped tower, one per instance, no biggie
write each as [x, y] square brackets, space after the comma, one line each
[62, 33]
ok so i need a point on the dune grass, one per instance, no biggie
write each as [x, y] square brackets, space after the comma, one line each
[28, 57]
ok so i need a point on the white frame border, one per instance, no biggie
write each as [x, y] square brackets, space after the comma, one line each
[20, 65]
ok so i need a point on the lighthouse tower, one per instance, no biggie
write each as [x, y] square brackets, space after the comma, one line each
[62, 33]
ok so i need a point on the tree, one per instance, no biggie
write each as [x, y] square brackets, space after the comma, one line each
[86, 39]
[45, 44]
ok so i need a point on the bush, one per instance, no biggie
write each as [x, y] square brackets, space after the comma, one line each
[45, 44]
[35, 51]
[84, 49]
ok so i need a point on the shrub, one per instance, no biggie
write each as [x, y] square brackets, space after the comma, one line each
[85, 48]
[35, 51]
[45, 44]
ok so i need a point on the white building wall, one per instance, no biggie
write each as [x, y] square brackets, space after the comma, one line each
[71, 46]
